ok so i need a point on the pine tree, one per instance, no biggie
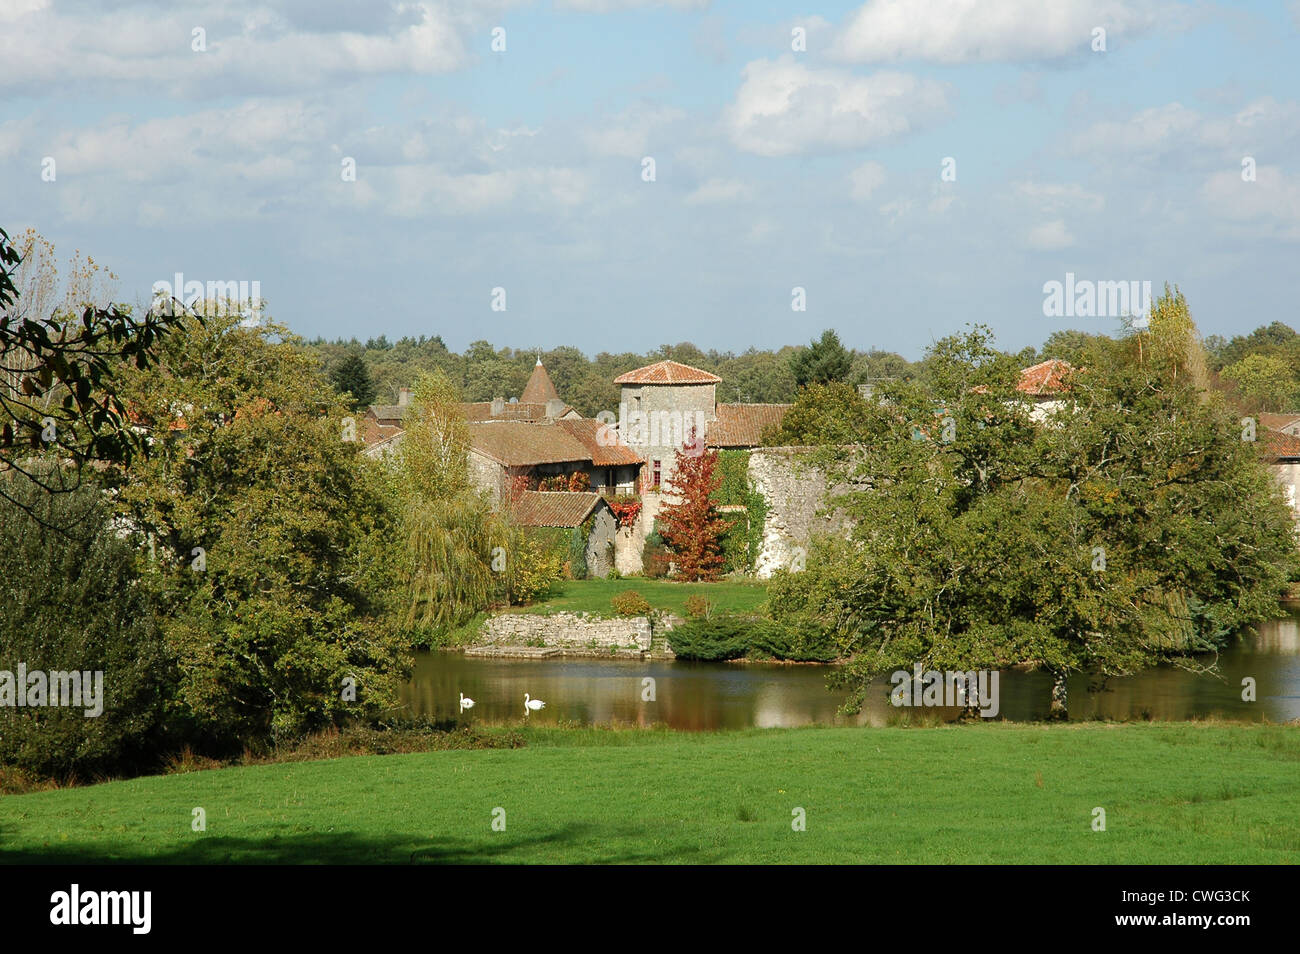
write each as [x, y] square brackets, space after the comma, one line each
[823, 361]
[353, 377]
[691, 527]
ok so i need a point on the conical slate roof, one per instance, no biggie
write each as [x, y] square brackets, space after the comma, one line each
[540, 388]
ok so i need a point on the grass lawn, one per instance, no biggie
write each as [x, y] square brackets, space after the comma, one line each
[593, 596]
[1173, 793]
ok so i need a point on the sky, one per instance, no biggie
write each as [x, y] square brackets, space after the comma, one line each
[620, 174]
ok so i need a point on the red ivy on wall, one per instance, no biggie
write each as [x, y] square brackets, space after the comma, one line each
[626, 511]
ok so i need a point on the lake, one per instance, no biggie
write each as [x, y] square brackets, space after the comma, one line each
[702, 696]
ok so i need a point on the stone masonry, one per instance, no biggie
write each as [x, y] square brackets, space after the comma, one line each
[567, 631]
[794, 493]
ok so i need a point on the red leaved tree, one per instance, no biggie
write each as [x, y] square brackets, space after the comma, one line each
[691, 528]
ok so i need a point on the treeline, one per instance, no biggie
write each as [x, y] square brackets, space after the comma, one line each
[484, 372]
[1260, 370]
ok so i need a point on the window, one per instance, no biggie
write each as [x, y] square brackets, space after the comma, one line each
[654, 482]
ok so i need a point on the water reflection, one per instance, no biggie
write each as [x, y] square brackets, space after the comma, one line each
[699, 696]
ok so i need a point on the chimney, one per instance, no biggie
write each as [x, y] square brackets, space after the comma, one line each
[403, 397]
[498, 406]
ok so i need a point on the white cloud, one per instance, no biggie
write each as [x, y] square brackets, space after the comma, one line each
[1050, 236]
[719, 190]
[783, 108]
[1270, 204]
[610, 6]
[1173, 133]
[866, 179]
[896, 209]
[965, 31]
[249, 46]
[630, 134]
[1057, 197]
[941, 203]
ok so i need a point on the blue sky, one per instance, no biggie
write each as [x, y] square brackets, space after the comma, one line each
[774, 168]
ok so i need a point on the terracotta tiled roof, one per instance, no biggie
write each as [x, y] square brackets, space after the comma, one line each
[372, 432]
[519, 444]
[540, 508]
[1273, 445]
[588, 432]
[1279, 422]
[667, 372]
[386, 413]
[519, 411]
[474, 411]
[742, 425]
[540, 388]
[1044, 379]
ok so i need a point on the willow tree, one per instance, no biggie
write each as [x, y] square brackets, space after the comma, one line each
[453, 537]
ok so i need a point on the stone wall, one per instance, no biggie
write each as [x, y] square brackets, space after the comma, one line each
[487, 474]
[629, 542]
[794, 493]
[601, 543]
[671, 410]
[1287, 476]
[567, 631]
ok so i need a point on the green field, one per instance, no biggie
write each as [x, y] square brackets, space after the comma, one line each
[1179, 794]
[593, 596]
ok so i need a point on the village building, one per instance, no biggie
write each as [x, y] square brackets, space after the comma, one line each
[541, 510]
[1044, 384]
[549, 464]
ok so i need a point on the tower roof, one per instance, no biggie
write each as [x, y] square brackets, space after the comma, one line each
[667, 372]
[540, 387]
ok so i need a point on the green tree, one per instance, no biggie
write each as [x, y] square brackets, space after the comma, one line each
[822, 414]
[823, 361]
[1132, 527]
[71, 601]
[1266, 381]
[57, 357]
[268, 536]
[450, 529]
[351, 376]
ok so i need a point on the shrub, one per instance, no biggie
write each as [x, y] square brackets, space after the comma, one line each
[726, 637]
[533, 569]
[656, 562]
[698, 607]
[798, 640]
[630, 603]
[578, 569]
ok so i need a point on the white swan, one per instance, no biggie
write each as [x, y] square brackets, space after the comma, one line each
[533, 704]
[465, 703]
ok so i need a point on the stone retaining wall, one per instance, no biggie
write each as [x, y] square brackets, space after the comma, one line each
[567, 631]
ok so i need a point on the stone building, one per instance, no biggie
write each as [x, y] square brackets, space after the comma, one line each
[568, 511]
[660, 407]
[1280, 450]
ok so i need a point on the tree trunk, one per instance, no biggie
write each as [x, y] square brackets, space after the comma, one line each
[1059, 691]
